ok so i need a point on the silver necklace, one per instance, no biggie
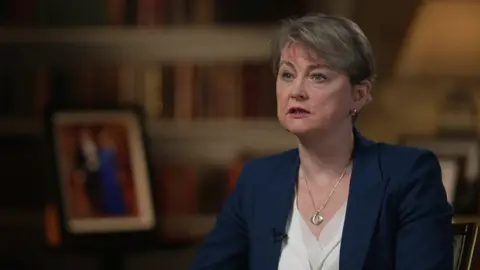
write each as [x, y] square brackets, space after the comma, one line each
[317, 218]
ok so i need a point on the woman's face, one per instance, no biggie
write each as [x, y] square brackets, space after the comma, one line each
[310, 95]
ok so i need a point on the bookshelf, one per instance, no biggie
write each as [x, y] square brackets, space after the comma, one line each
[197, 78]
[180, 60]
[199, 46]
[169, 44]
[144, 46]
[137, 47]
[192, 140]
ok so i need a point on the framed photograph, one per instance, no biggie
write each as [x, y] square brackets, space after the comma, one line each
[102, 170]
[452, 168]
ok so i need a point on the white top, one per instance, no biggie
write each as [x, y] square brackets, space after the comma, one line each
[303, 251]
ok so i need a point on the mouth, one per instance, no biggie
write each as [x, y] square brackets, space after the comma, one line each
[298, 111]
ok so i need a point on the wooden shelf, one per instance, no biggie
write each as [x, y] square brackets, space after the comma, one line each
[168, 128]
[99, 44]
[218, 142]
[209, 141]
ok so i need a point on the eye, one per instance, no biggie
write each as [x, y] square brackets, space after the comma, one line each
[318, 77]
[286, 75]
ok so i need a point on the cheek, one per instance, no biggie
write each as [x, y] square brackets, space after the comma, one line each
[328, 103]
[281, 93]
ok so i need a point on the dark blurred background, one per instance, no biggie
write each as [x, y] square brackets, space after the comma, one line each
[200, 69]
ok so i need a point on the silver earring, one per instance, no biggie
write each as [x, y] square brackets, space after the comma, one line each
[353, 112]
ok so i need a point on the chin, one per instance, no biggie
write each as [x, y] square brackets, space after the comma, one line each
[298, 128]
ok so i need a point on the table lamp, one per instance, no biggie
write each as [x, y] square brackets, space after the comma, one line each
[443, 43]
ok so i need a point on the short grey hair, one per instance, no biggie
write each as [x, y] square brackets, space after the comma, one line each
[338, 40]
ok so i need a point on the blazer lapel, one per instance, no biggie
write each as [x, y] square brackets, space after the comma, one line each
[364, 202]
[277, 205]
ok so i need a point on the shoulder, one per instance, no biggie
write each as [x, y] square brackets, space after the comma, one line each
[262, 168]
[405, 160]
[414, 180]
[257, 174]
[411, 170]
[271, 162]
[403, 151]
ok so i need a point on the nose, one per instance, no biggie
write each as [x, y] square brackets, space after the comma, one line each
[297, 90]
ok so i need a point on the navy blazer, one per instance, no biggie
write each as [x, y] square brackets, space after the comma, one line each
[397, 215]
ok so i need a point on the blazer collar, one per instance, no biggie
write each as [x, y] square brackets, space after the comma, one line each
[364, 201]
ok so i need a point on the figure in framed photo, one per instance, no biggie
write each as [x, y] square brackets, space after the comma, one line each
[112, 199]
[104, 182]
[88, 163]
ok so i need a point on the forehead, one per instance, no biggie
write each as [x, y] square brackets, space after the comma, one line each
[295, 51]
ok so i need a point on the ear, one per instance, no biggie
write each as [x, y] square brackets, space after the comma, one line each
[362, 94]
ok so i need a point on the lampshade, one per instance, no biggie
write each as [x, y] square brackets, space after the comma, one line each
[444, 40]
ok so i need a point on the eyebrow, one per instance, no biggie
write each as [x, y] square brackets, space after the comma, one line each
[315, 66]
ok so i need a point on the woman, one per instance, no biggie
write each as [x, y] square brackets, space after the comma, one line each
[339, 201]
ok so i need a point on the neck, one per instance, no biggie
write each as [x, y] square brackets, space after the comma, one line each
[325, 157]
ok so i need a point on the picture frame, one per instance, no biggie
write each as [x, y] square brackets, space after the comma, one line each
[102, 170]
[452, 167]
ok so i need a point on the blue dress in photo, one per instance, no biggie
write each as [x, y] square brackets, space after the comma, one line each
[112, 198]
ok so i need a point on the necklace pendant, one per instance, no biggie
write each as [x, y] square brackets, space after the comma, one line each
[316, 218]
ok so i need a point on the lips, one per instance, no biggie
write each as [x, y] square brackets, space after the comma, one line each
[298, 110]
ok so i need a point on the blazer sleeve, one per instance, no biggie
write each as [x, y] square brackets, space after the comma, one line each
[226, 245]
[424, 237]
